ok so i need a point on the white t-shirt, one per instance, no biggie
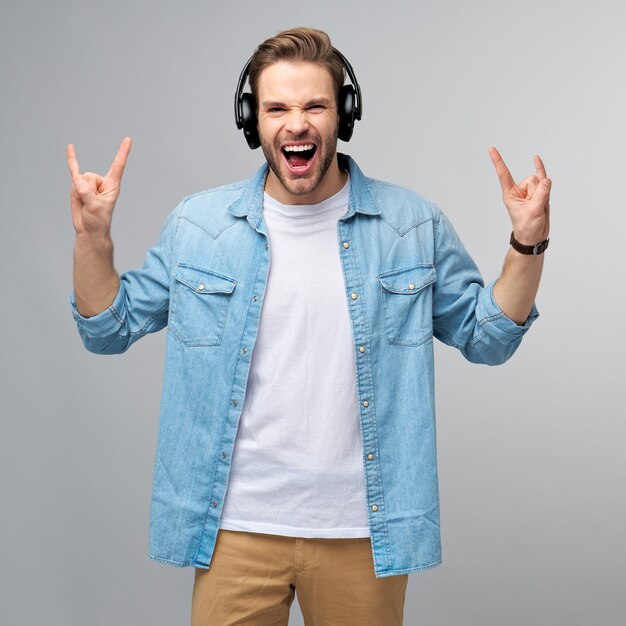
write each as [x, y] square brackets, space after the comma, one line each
[297, 466]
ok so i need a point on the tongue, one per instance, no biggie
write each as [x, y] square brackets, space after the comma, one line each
[297, 160]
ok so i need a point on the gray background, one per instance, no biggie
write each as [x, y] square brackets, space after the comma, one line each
[531, 454]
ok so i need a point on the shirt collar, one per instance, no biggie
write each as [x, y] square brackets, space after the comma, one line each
[250, 203]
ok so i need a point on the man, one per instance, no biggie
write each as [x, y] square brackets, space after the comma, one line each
[304, 384]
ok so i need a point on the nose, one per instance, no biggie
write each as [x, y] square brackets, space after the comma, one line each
[297, 122]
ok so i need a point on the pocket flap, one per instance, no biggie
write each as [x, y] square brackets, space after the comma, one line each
[202, 280]
[408, 280]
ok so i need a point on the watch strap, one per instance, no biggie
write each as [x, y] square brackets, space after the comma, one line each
[539, 248]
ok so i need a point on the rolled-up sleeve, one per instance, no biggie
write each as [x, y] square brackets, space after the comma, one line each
[141, 305]
[465, 313]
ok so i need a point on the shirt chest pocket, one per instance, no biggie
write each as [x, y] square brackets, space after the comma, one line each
[199, 305]
[407, 301]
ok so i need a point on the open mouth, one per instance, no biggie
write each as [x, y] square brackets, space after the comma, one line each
[299, 157]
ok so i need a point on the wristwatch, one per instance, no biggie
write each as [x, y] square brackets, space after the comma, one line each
[539, 248]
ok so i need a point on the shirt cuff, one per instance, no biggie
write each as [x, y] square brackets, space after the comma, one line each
[105, 323]
[493, 320]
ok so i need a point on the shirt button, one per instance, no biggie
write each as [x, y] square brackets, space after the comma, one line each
[374, 508]
[234, 402]
[366, 403]
[201, 287]
[224, 455]
[244, 350]
[354, 296]
[346, 245]
[214, 504]
[361, 349]
[411, 286]
[370, 456]
[255, 298]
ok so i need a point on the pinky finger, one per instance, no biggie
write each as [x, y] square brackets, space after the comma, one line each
[72, 163]
[539, 167]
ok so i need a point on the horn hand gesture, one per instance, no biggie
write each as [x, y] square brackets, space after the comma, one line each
[528, 203]
[93, 196]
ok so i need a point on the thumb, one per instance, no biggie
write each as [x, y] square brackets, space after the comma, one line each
[541, 196]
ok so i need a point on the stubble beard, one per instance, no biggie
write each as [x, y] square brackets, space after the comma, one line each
[301, 186]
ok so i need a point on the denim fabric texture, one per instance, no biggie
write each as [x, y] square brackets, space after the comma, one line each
[408, 279]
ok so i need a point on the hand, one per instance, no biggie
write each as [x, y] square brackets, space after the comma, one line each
[93, 196]
[528, 203]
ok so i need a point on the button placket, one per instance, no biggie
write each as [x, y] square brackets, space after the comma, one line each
[358, 320]
[215, 498]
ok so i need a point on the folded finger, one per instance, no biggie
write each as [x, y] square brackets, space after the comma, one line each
[529, 185]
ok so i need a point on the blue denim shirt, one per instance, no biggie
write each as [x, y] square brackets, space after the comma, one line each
[407, 279]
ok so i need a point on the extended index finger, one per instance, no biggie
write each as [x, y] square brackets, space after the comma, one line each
[72, 163]
[119, 162]
[506, 180]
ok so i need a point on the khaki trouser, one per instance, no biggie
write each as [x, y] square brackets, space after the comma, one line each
[253, 578]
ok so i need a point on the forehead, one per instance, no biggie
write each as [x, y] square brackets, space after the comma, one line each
[291, 80]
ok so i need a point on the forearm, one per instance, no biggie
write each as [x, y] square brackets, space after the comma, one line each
[96, 282]
[517, 286]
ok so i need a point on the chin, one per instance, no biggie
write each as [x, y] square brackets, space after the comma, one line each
[299, 187]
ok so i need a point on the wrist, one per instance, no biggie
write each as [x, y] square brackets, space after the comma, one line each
[529, 237]
[100, 243]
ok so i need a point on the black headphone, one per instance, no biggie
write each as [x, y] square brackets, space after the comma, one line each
[350, 106]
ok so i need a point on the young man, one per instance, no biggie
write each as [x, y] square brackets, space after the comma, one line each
[296, 448]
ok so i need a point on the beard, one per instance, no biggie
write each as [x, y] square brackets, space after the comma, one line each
[292, 183]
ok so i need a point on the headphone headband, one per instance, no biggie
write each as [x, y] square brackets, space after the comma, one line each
[350, 105]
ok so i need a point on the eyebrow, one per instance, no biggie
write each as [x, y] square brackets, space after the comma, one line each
[268, 104]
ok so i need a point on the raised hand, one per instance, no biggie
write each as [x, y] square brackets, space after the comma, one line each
[93, 196]
[528, 203]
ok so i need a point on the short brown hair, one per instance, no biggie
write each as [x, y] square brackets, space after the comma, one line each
[297, 44]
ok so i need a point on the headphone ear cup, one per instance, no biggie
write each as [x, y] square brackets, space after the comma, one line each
[249, 121]
[345, 103]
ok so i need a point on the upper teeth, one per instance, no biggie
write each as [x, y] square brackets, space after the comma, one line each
[308, 146]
